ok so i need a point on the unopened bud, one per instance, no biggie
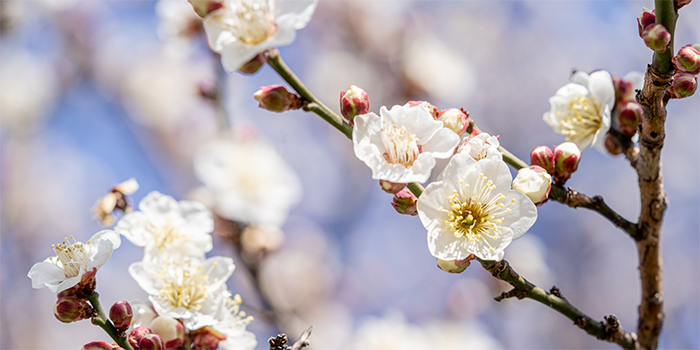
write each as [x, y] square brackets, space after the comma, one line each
[433, 110]
[683, 85]
[405, 202]
[612, 145]
[455, 119]
[645, 19]
[204, 7]
[258, 241]
[121, 314]
[254, 65]
[170, 330]
[566, 158]
[680, 3]
[70, 309]
[534, 182]
[137, 334]
[624, 90]
[151, 342]
[455, 266]
[206, 338]
[687, 60]
[656, 37]
[630, 117]
[353, 102]
[391, 187]
[277, 99]
[98, 345]
[543, 157]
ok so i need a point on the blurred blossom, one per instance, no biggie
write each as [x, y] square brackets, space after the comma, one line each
[391, 332]
[481, 146]
[455, 335]
[178, 25]
[249, 181]
[527, 256]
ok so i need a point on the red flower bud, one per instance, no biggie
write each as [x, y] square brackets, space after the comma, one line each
[207, 338]
[70, 309]
[97, 345]
[137, 334]
[687, 60]
[630, 117]
[353, 102]
[683, 85]
[645, 19]
[405, 202]
[656, 37]
[544, 157]
[624, 90]
[612, 145]
[120, 313]
[277, 99]
[680, 3]
[151, 342]
[566, 158]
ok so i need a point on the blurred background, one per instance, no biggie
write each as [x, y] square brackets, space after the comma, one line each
[95, 92]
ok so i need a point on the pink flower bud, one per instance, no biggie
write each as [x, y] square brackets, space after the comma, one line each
[204, 7]
[656, 37]
[645, 19]
[543, 156]
[455, 119]
[137, 334]
[612, 145]
[455, 266]
[207, 338]
[680, 3]
[433, 110]
[151, 342]
[391, 187]
[566, 158]
[277, 99]
[630, 117]
[70, 309]
[97, 345]
[405, 202]
[120, 313]
[683, 85]
[624, 90]
[687, 60]
[254, 65]
[534, 182]
[353, 102]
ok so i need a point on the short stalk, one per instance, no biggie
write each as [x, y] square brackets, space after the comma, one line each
[101, 320]
[415, 188]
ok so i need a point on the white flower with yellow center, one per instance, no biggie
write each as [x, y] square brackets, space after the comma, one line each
[233, 327]
[241, 29]
[481, 146]
[73, 260]
[191, 289]
[249, 181]
[401, 144]
[168, 228]
[581, 109]
[471, 209]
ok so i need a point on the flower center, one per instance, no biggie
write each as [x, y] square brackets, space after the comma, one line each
[166, 237]
[233, 305]
[473, 214]
[580, 119]
[253, 21]
[71, 256]
[184, 284]
[401, 145]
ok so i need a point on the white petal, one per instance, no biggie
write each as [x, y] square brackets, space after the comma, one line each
[144, 278]
[221, 269]
[108, 235]
[45, 274]
[602, 89]
[158, 207]
[104, 252]
[458, 166]
[134, 227]
[442, 144]
[295, 13]
[579, 77]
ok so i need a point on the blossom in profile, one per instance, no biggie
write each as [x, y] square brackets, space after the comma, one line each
[401, 144]
[481, 146]
[248, 180]
[241, 29]
[581, 109]
[233, 327]
[166, 227]
[471, 209]
[73, 260]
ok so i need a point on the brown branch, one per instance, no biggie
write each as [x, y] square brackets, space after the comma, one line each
[608, 330]
[575, 199]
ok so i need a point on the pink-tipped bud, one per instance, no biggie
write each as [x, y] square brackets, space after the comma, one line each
[624, 90]
[207, 338]
[70, 309]
[684, 85]
[170, 330]
[612, 145]
[534, 182]
[455, 119]
[543, 157]
[204, 7]
[151, 342]
[277, 99]
[254, 65]
[137, 334]
[353, 102]
[656, 37]
[120, 313]
[433, 110]
[687, 60]
[391, 187]
[455, 266]
[566, 158]
[645, 19]
[405, 202]
[630, 117]
[680, 3]
[98, 345]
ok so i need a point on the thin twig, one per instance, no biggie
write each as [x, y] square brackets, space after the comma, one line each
[100, 319]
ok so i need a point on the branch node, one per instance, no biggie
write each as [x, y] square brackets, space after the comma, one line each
[556, 292]
[515, 292]
[580, 321]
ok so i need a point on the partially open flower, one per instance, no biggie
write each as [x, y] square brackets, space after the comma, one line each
[534, 182]
[455, 119]
[480, 146]
[353, 102]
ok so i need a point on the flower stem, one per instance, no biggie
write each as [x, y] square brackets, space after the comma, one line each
[103, 322]
[509, 158]
[666, 15]
[314, 105]
[415, 188]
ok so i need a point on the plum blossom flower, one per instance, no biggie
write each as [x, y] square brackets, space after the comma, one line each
[191, 289]
[166, 227]
[233, 327]
[481, 146]
[401, 144]
[73, 260]
[534, 182]
[471, 209]
[249, 180]
[241, 29]
[581, 109]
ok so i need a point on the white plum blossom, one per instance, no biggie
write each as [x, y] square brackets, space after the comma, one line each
[401, 144]
[391, 332]
[481, 146]
[73, 260]
[168, 228]
[581, 109]
[241, 29]
[249, 181]
[233, 327]
[471, 209]
[188, 289]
